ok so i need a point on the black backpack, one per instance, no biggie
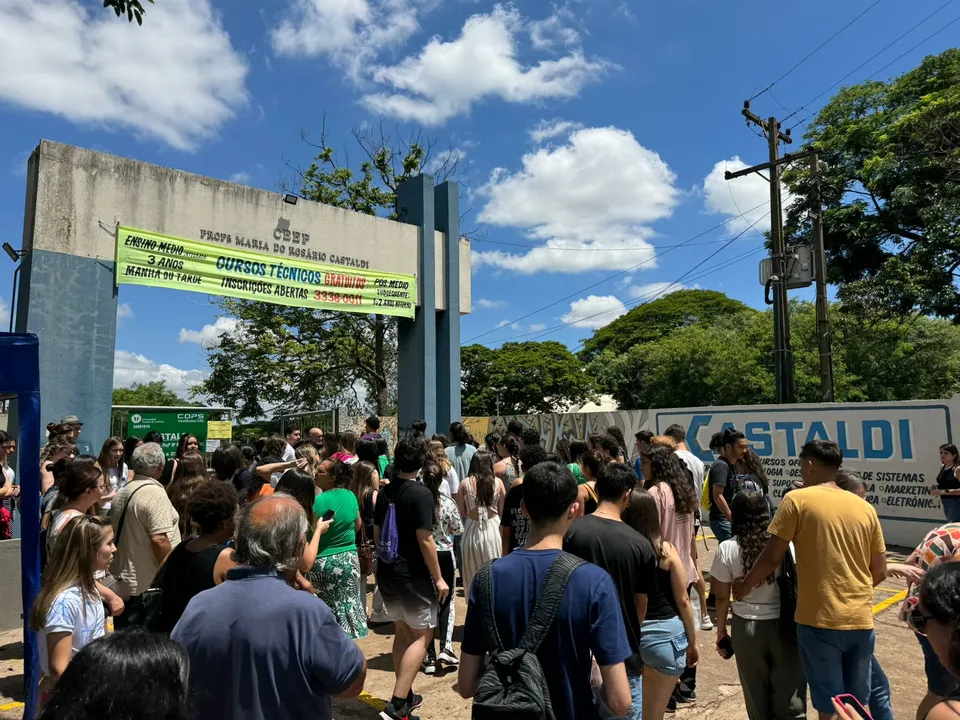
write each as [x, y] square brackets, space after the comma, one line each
[513, 685]
[787, 584]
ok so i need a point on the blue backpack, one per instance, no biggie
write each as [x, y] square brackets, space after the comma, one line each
[388, 543]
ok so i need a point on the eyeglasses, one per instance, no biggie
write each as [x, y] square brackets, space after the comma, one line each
[917, 619]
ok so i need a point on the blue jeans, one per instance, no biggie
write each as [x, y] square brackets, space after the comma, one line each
[636, 701]
[836, 662]
[722, 530]
[879, 692]
[951, 508]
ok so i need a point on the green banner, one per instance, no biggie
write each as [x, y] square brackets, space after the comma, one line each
[145, 258]
[171, 425]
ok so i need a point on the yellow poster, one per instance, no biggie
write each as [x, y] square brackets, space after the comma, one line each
[220, 429]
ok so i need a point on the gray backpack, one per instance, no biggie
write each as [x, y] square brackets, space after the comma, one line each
[513, 685]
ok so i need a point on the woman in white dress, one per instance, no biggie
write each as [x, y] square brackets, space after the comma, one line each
[480, 501]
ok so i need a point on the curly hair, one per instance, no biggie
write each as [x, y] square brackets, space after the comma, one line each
[212, 504]
[667, 468]
[750, 520]
[754, 466]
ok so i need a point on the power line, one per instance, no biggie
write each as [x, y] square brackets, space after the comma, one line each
[611, 249]
[611, 277]
[637, 301]
[813, 52]
[864, 63]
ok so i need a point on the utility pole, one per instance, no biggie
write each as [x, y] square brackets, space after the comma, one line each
[782, 351]
[820, 268]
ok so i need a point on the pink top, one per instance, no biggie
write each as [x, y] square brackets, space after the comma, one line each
[675, 529]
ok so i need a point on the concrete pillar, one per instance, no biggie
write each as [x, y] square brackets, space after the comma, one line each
[417, 338]
[67, 298]
[447, 214]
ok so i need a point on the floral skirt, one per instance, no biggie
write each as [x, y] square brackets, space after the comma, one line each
[336, 580]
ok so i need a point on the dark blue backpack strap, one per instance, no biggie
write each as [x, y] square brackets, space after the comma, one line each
[485, 596]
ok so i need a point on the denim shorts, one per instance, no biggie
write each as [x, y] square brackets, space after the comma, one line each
[836, 662]
[939, 680]
[663, 646]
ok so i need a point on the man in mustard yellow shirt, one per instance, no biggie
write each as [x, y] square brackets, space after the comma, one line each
[841, 557]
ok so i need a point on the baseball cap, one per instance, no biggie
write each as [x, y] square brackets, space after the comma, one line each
[70, 420]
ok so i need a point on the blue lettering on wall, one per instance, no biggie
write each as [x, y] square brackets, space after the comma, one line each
[790, 429]
[758, 435]
[817, 432]
[848, 452]
[870, 451]
[697, 422]
[906, 440]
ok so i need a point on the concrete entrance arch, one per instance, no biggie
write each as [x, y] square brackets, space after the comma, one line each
[67, 296]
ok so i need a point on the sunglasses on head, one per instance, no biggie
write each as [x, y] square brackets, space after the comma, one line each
[917, 619]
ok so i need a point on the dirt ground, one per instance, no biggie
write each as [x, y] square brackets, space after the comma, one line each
[718, 687]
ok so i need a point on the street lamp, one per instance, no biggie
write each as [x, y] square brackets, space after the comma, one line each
[15, 255]
[499, 391]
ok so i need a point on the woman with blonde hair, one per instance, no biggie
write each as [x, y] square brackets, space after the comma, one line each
[114, 469]
[190, 474]
[306, 451]
[68, 612]
[451, 483]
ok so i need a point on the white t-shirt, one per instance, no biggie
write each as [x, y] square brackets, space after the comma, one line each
[452, 481]
[289, 454]
[762, 603]
[68, 614]
[116, 479]
[696, 467]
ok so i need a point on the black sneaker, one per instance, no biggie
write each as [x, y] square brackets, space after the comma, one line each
[414, 701]
[429, 666]
[672, 705]
[685, 696]
[392, 713]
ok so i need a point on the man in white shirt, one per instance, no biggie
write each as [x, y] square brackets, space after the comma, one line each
[679, 434]
[293, 438]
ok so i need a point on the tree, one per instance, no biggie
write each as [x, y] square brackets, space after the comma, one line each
[149, 394]
[132, 8]
[294, 358]
[654, 320]
[890, 185]
[536, 377]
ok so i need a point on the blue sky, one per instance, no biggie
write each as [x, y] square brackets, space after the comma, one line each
[588, 133]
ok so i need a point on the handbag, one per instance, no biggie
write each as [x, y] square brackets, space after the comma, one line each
[143, 610]
[365, 552]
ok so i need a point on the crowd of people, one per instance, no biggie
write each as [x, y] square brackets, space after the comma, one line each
[585, 558]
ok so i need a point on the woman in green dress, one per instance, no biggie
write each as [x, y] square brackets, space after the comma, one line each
[334, 569]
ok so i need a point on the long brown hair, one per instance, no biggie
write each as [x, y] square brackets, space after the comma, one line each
[362, 481]
[55, 446]
[103, 459]
[433, 476]
[751, 516]
[666, 467]
[642, 515]
[439, 453]
[309, 452]
[481, 470]
[71, 563]
[191, 473]
[79, 475]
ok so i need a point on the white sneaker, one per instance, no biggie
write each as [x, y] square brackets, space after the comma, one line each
[447, 657]
[706, 623]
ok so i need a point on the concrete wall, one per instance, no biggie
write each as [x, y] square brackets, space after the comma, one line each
[81, 195]
[10, 599]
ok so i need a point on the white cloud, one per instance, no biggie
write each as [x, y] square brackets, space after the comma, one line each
[555, 30]
[742, 195]
[537, 327]
[130, 368]
[177, 78]
[549, 129]
[4, 316]
[490, 304]
[350, 32]
[590, 202]
[242, 177]
[503, 323]
[447, 78]
[124, 311]
[209, 335]
[594, 311]
[652, 291]
[446, 160]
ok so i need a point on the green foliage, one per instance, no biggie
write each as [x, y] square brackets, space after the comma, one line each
[729, 362]
[890, 156]
[292, 358]
[132, 8]
[148, 394]
[654, 320]
[537, 377]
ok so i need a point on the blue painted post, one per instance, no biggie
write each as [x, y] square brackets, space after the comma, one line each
[447, 209]
[417, 338]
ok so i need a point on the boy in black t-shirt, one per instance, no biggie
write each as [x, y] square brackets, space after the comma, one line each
[515, 525]
[412, 586]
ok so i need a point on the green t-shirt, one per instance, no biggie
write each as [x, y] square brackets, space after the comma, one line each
[577, 473]
[341, 536]
[384, 461]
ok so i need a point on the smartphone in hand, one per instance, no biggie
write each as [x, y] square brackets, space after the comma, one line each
[725, 647]
[328, 515]
[852, 702]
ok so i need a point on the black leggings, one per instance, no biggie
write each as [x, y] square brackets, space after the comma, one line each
[448, 573]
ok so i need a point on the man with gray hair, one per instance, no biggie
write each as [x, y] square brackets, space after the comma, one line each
[287, 663]
[146, 528]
